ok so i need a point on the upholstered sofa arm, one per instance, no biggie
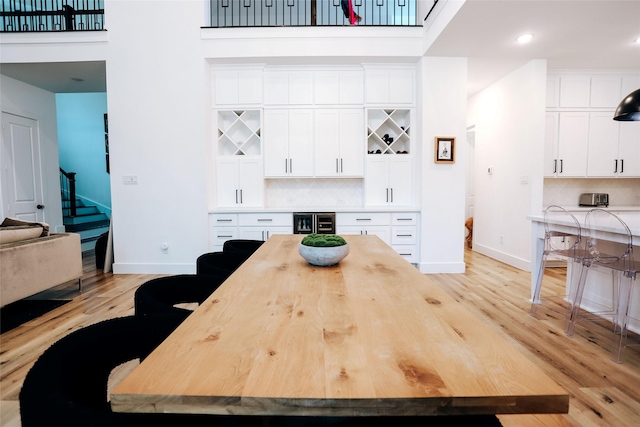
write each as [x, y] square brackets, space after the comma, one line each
[31, 266]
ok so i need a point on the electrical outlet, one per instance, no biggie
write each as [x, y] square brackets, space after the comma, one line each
[130, 179]
[164, 248]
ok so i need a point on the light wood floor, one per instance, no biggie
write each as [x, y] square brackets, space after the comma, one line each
[602, 392]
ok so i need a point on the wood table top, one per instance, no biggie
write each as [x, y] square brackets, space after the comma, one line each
[369, 336]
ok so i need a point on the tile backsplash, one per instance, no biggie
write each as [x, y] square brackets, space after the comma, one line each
[329, 193]
[566, 191]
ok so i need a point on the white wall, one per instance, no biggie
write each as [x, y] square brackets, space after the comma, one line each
[444, 105]
[156, 84]
[509, 119]
[28, 101]
[81, 145]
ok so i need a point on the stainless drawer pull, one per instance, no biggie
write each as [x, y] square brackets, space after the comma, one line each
[229, 236]
[224, 220]
[363, 219]
[409, 254]
[404, 235]
[265, 219]
[405, 219]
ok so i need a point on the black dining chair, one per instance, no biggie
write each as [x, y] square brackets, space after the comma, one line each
[161, 296]
[220, 263]
[242, 245]
[67, 385]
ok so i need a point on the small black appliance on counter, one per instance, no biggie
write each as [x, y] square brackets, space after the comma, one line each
[594, 199]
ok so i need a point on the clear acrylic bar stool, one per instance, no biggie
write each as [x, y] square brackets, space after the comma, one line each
[562, 238]
[616, 256]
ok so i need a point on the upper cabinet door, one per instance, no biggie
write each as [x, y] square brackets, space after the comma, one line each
[338, 87]
[276, 143]
[389, 86]
[237, 87]
[629, 150]
[603, 145]
[605, 91]
[301, 143]
[288, 87]
[575, 91]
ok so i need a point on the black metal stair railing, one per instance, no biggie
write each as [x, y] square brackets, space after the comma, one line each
[68, 192]
[20, 16]
[289, 13]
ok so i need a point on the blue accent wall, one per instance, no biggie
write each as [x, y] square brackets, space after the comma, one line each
[81, 145]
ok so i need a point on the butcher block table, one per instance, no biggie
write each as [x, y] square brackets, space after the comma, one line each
[369, 336]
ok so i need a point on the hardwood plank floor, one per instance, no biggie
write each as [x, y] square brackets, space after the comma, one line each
[602, 392]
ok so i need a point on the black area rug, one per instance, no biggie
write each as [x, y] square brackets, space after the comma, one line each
[19, 312]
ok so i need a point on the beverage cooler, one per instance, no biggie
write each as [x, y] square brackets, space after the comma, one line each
[319, 223]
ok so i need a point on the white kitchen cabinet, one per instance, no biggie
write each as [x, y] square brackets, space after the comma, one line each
[629, 149]
[575, 91]
[239, 181]
[375, 223]
[283, 87]
[389, 85]
[566, 156]
[261, 226]
[222, 227]
[288, 143]
[404, 235]
[239, 176]
[333, 87]
[388, 180]
[614, 147]
[338, 143]
[605, 91]
[237, 86]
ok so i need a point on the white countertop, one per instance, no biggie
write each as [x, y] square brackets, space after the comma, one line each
[631, 218]
[315, 209]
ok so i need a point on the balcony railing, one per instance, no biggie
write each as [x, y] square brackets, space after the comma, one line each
[20, 16]
[291, 13]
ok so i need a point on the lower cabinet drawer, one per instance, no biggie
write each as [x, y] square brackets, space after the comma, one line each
[408, 252]
[363, 219]
[219, 235]
[403, 235]
[266, 220]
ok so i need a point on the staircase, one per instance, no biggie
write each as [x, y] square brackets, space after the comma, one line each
[88, 222]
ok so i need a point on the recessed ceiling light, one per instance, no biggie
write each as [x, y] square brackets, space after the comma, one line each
[525, 38]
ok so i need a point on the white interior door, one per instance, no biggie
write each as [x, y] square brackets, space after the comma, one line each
[21, 170]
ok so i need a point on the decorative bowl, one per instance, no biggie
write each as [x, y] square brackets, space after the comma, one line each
[323, 256]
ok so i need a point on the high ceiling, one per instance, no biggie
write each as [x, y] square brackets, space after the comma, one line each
[584, 34]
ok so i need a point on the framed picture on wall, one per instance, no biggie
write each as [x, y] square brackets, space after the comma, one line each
[444, 149]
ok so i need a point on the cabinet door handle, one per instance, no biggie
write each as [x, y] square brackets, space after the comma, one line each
[265, 219]
[223, 220]
[387, 195]
[555, 166]
[236, 196]
[363, 219]
[560, 165]
[392, 195]
[621, 165]
[404, 235]
[286, 166]
[262, 234]
[224, 236]
[290, 166]
[241, 196]
[337, 166]
[341, 168]
[615, 168]
[404, 219]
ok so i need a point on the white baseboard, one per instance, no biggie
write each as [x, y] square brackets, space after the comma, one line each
[441, 267]
[520, 263]
[128, 268]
